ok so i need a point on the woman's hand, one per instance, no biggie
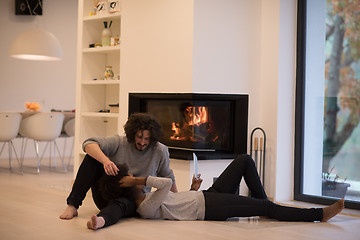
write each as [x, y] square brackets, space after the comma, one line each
[128, 181]
[110, 168]
[196, 182]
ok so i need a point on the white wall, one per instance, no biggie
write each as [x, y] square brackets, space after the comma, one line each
[226, 52]
[226, 59]
[221, 46]
[285, 118]
[276, 92]
[52, 84]
[268, 86]
[156, 53]
[249, 47]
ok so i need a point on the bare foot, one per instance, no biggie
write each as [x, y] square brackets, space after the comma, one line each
[69, 212]
[332, 210]
[95, 222]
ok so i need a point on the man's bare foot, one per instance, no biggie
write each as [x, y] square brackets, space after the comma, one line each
[95, 222]
[69, 212]
[332, 210]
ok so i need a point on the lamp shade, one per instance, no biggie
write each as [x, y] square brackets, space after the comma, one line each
[36, 44]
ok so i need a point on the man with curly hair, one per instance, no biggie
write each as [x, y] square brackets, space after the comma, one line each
[140, 149]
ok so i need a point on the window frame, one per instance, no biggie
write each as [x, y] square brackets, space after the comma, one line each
[300, 115]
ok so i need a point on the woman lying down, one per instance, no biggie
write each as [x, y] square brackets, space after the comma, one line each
[219, 202]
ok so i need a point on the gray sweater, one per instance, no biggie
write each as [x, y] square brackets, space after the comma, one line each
[163, 204]
[153, 161]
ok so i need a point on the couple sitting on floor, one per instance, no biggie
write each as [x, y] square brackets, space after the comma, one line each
[121, 172]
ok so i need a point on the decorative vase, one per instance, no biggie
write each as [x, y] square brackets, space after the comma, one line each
[106, 35]
[108, 75]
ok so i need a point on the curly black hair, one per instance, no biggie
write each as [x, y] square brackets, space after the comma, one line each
[110, 187]
[140, 122]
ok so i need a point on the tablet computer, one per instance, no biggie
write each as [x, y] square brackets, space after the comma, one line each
[195, 165]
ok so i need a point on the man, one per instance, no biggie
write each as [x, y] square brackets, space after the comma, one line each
[140, 149]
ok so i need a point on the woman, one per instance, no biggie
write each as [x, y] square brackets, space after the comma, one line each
[219, 202]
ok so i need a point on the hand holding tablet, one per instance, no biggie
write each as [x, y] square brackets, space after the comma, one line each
[195, 166]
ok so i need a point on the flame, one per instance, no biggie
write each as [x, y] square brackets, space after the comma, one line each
[194, 117]
[176, 129]
[198, 115]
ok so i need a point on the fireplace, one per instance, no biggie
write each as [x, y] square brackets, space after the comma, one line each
[214, 126]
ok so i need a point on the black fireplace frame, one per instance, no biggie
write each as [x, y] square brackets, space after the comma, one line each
[239, 124]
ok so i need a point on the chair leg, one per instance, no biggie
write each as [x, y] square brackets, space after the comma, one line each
[17, 158]
[61, 157]
[44, 150]
[52, 154]
[37, 155]
[64, 148]
[71, 153]
[53, 150]
[22, 153]
[2, 149]
[10, 155]
[10, 152]
[11, 148]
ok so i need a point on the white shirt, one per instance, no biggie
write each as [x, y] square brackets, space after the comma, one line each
[163, 204]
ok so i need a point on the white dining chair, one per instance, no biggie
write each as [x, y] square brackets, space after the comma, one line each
[9, 129]
[43, 127]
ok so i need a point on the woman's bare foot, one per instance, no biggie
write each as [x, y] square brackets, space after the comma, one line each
[69, 212]
[332, 210]
[95, 222]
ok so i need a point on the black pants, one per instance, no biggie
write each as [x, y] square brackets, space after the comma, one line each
[221, 202]
[87, 176]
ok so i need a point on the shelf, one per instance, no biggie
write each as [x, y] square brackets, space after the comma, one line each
[102, 17]
[94, 95]
[101, 49]
[99, 114]
[100, 82]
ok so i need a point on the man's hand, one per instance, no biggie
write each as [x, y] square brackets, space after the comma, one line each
[110, 168]
[94, 151]
[196, 182]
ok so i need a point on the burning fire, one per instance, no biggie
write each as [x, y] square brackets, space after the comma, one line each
[196, 126]
[197, 115]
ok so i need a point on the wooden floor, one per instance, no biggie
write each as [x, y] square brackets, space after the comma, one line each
[31, 205]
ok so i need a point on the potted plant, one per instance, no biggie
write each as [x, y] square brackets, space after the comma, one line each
[333, 186]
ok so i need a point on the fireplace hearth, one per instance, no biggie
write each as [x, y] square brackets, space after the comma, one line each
[214, 126]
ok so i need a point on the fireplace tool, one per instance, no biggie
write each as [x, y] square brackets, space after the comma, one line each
[258, 152]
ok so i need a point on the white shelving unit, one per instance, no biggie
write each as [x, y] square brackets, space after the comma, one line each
[93, 94]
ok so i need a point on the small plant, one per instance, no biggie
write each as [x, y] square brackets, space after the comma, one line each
[32, 106]
[332, 177]
[333, 186]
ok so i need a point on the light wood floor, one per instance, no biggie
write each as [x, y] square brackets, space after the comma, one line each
[31, 205]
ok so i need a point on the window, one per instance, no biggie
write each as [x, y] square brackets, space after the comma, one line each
[327, 137]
